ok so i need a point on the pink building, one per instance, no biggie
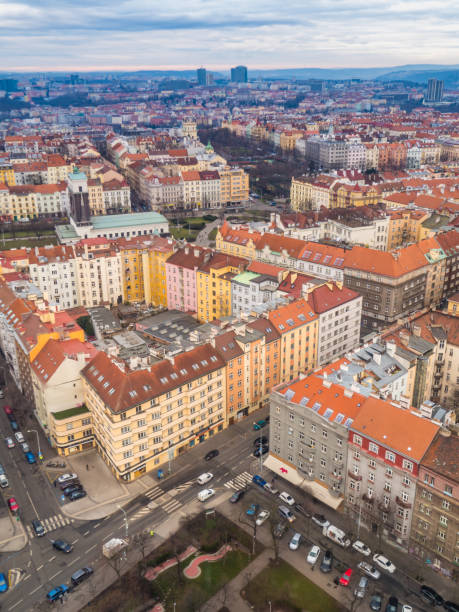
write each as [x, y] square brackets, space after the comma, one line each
[181, 269]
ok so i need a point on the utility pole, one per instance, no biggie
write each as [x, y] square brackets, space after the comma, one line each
[40, 456]
[126, 523]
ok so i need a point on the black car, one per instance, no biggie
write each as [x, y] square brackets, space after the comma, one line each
[38, 528]
[62, 545]
[280, 529]
[14, 426]
[237, 496]
[431, 596]
[299, 508]
[68, 483]
[77, 495]
[261, 451]
[392, 604]
[261, 440]
[71, 489]
[81, 575]
[11, 416]
[376, 602]
[211, 454]
[450, 606]
[327, 562]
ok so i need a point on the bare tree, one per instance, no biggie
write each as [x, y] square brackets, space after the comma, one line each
[139, 541]
[116, 563]
[275, 538]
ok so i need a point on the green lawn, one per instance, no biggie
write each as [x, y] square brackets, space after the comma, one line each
[213, 233]
[182, 232]
[284, 584]
[27, 242]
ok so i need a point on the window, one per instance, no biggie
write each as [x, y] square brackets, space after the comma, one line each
[389, 472]
[390, 456]
[372, 463]
[443, 521]
[407, 465]
[445, 505]
[448, 490]
[373, 448]
[387, 486]
[357, 439]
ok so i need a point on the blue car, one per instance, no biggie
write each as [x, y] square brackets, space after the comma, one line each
[57, 593]
[30, 457]
[259, 424]
[252, 509]
[259, 480]
[3, 584]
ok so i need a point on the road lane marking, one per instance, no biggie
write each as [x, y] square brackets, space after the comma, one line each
[16, 604]
[86, 533]
[92, 547]
[57, 573]
[39, 568]
[35, 590]
[95, 526]
[27, 577]
[75, 541]
[52, 559]
[33, 506]
[74, 561]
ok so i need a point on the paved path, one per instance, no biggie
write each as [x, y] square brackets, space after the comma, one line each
[231, 595]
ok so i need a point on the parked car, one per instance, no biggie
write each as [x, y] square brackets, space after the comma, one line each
[3, 583]
[261, 440]
[262, 517]
[295, 541]
[280, 529]
[19, 437]
[12, 505]
[259, 425]
[206, 477]
[205, 494]
[392, 604]
[260, 451]
[71, 488]
[7, 409]
[211, 454]
[30, 457]
[285, 497]
[286, 513]
[237, 496]
[14, 426]
[38, 528]
[269, 487]
[57, 593]
[252, 509]
[62, 546]
[2, 394]
[11, 417]
[81, 575]
[407, 608]
[327, 562]
[302, 510]
[362, 548]
[369, 570]
[376, 602]
[65, 478]
[10, 442]
[74, 495]
[25, 447]
[2, 470]
[69, 483]
[3, 481]
[384, 562]
[320, 520]
[450, 606]
[431, 596]
[361, 588]
[345, 577]
[313, 555]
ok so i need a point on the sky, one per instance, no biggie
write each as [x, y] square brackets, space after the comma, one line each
[181, 34]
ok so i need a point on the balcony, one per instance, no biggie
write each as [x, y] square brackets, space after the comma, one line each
[367, 498]
[354, 476]
[402, 503]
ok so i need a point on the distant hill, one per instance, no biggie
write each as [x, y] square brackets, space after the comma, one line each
[450, 76]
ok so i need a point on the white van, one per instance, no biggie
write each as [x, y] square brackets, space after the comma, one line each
[3, 481]
[205, 494]
[337, 535]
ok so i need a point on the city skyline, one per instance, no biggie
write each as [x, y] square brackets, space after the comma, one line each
[136, 35]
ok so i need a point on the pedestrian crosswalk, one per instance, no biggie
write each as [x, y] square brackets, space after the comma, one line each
[51, 523]
[185, 486]
[158, 499]
[239, 482]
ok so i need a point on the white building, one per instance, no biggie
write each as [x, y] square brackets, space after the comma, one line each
[98, 276]
[250, 290]
[53, 270]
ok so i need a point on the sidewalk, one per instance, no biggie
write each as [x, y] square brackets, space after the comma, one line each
[16, 536]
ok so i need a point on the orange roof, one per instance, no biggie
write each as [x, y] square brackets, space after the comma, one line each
[53, 354]
[403, 431]
[291, 316]
[393, 264]
[191, 175]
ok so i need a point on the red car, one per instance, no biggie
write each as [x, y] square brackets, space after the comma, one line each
[346, 578]
[13, 505]
[7, 409]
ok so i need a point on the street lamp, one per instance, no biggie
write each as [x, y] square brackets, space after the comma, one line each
[125, 520]
[40, 456]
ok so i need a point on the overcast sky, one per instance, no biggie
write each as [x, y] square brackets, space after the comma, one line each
[103, 34]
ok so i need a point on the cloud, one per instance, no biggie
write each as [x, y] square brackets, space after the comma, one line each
[219, 34]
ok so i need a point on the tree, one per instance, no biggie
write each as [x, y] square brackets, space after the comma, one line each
[276, 540]
[139, 541]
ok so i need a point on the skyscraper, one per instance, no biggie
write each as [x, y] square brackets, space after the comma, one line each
[202, 76]
[239, 74]
[434, 90]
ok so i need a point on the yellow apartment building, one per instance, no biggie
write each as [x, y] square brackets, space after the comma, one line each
[71, 430]
[239, 242]
[213, 284]
[234, 185]
[144, 418]
[96, 197]
[154, 270]
[7, 175]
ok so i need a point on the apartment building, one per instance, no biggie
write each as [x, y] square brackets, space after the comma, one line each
[234, 185]
[237, 241]
[250, 291]
[449, 243]
[392, 284]
[344, 196]
[144, 418]
[56, 386]
[383, 467]
[214, 278]
[210, 189]
[311, 193]
[98, 270]
[154, 266]
[310, 420]
[435, 524]
[116, 197]
[339, 311]
[53, 271]
[298, 327]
